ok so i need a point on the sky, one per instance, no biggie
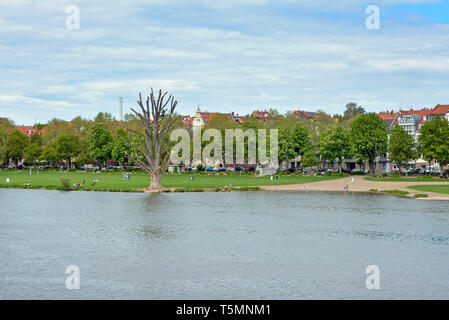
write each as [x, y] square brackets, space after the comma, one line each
[222, 55]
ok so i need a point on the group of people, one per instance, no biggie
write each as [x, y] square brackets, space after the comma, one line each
[79, 184]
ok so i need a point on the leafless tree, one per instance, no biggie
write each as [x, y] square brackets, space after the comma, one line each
[156, 120]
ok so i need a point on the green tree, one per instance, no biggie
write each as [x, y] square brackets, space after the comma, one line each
[15, 146]
[316, 126]
[6, 126]
[401, 146]
[286, 144]
[301, 139]
[368, 138]
[36, 139]
[34, 149]
[309, 159]
[100, 143]
[67, 147]
[120, 149]
[334, 144]
[50, 154]
[251, 122]
[353, 110]
[434, 141]
[32, 153]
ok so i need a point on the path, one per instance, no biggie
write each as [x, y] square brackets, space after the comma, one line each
[361, 185]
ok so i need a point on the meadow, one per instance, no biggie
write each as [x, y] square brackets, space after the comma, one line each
[113, 181]
[444, 189]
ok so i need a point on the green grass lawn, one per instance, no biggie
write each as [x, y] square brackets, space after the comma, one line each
[405, 179]
[432, 188]
[138, 181]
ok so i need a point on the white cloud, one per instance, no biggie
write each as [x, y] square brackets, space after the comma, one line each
[222, 61]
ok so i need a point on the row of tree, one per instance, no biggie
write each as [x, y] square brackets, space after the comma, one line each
[355, 135]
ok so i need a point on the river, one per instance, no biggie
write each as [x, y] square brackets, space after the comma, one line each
[239, 245]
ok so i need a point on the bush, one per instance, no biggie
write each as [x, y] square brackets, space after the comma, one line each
[397, 192]
[384, 174]
[65, 183]
[421, 195]
[200, 168]
[396, 175]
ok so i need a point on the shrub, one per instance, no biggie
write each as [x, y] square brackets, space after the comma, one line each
[421, 195]
[398, 192]
[65, 183]
[396, 175]
[384, 174]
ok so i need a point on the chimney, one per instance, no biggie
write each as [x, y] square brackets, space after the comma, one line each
[120, 110]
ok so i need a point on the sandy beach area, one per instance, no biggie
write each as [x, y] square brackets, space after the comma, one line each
[359, 184]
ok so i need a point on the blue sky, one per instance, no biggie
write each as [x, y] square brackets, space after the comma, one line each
[221, 55]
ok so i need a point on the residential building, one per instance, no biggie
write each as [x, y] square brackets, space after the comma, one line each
[441, 110]
[30, 130]
[304, 115]
[260, 115]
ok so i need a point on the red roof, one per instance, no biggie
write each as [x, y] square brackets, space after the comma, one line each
[387, 115]
[210, 115]
[440, 109]
[260, 115]
[30, 130]
[187, 120]
[304, 114]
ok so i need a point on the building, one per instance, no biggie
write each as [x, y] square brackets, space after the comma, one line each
[198, 120]
[441, 110]
[412, 120]
[262, 116]
[304, 115]
[388, 117]
[30, 130]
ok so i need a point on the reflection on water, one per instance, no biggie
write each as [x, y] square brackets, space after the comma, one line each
[155, 233]
[255, 245]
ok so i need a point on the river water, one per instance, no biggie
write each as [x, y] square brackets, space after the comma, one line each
[240, 245]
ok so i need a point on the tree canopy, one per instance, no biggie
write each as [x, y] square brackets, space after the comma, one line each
[368, 138]
[334, 144]
[434, 141]
[402, 146]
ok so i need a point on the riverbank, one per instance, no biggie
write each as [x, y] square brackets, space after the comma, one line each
[212, 182]
[361, 184]
[138, 182]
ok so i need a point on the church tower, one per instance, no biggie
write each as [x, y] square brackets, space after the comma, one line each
[198, 121]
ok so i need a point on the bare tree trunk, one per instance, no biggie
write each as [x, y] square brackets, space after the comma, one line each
[157, 119]
[155, 182]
